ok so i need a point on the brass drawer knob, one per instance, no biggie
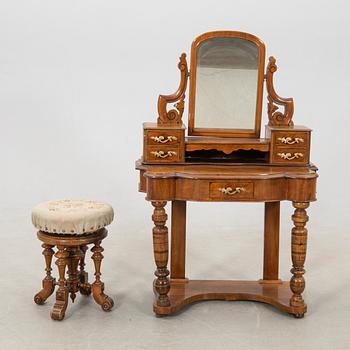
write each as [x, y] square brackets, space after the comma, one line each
[163, 139]
[290, 140]
[162, 154]
[290, 156]
[230, 191]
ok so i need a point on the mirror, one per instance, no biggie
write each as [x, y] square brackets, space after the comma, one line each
[226, 85]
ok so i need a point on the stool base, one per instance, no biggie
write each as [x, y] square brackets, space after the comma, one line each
[70, 254]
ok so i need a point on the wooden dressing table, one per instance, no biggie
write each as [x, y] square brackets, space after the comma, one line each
[224, 159]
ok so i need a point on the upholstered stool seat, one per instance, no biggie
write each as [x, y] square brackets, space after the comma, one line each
[71, 216]
[70, 225]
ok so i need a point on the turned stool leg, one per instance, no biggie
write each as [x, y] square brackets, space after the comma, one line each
[73, 276]
[48, 281]
[85, 287]
[59, 309]
[299, 242]
[98, 287]
[160, 249]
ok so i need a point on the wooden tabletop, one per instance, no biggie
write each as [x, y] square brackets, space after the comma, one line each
[238, 171]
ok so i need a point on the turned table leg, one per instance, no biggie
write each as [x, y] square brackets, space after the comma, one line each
[85, 287]
[98, 286]
[59, 309]
[299, 243]
[48, 282]
[160, 249]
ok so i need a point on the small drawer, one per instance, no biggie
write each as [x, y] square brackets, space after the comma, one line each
[162, 154]
[231, 191]
[290, 155]
[166, 137]
[294, 139]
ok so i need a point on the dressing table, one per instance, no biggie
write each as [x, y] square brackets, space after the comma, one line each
[224, 159]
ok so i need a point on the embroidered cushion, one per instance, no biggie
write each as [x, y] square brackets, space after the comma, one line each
[72, 216]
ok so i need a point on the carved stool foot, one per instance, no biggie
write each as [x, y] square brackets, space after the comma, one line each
[48, 282]
[102, 299]
[59, 309]
[298, 315]
[98, 287]
[85, 289]
[48, 289]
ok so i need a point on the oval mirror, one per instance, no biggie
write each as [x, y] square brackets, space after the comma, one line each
[226, 83]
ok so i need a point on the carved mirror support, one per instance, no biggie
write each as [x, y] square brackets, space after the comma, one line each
[276, 117]
[173, 116]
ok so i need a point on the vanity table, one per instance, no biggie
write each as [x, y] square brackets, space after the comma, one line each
[224, 159]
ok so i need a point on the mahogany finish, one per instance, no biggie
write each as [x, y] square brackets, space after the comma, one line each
[175, 168]
[70, 255]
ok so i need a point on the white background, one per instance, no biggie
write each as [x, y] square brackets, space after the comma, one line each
[78, 78]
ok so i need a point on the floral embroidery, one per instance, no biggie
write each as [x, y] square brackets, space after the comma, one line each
[74, 204]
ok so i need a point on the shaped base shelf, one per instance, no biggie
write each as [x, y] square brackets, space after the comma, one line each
[184, 292]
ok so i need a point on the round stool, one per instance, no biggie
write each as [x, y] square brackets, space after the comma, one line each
[70, 225]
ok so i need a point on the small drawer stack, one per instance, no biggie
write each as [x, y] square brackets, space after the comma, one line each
[163, 144]
[289, 145]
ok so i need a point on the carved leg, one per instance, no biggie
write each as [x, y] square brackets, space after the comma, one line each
[98, 287]
[299, 240]
[59, 309]
[73, 277]
[160, 248]
[85, 287]
[48, 281]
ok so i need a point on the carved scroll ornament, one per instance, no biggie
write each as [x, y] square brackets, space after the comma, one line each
[174, 115]
[276, 117]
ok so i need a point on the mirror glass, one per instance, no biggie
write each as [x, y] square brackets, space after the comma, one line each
[226, 83]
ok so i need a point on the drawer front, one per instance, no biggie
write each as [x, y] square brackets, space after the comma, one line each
[166, 137]
[290, 155]
[162, 154]
[231, 190]
[291, 139]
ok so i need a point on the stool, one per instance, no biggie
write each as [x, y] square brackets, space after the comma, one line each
[70, 225]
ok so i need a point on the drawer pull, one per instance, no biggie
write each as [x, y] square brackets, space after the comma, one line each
[289, 156]
[230, 191]
[290, 141]
[163, 139]
[162, 154]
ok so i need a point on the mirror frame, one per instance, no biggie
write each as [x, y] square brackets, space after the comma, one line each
[221, 132]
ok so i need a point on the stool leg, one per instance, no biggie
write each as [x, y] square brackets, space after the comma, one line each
[98, 287]
[73, 276]
[85, 287]
[59, 309]
[48, 281]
